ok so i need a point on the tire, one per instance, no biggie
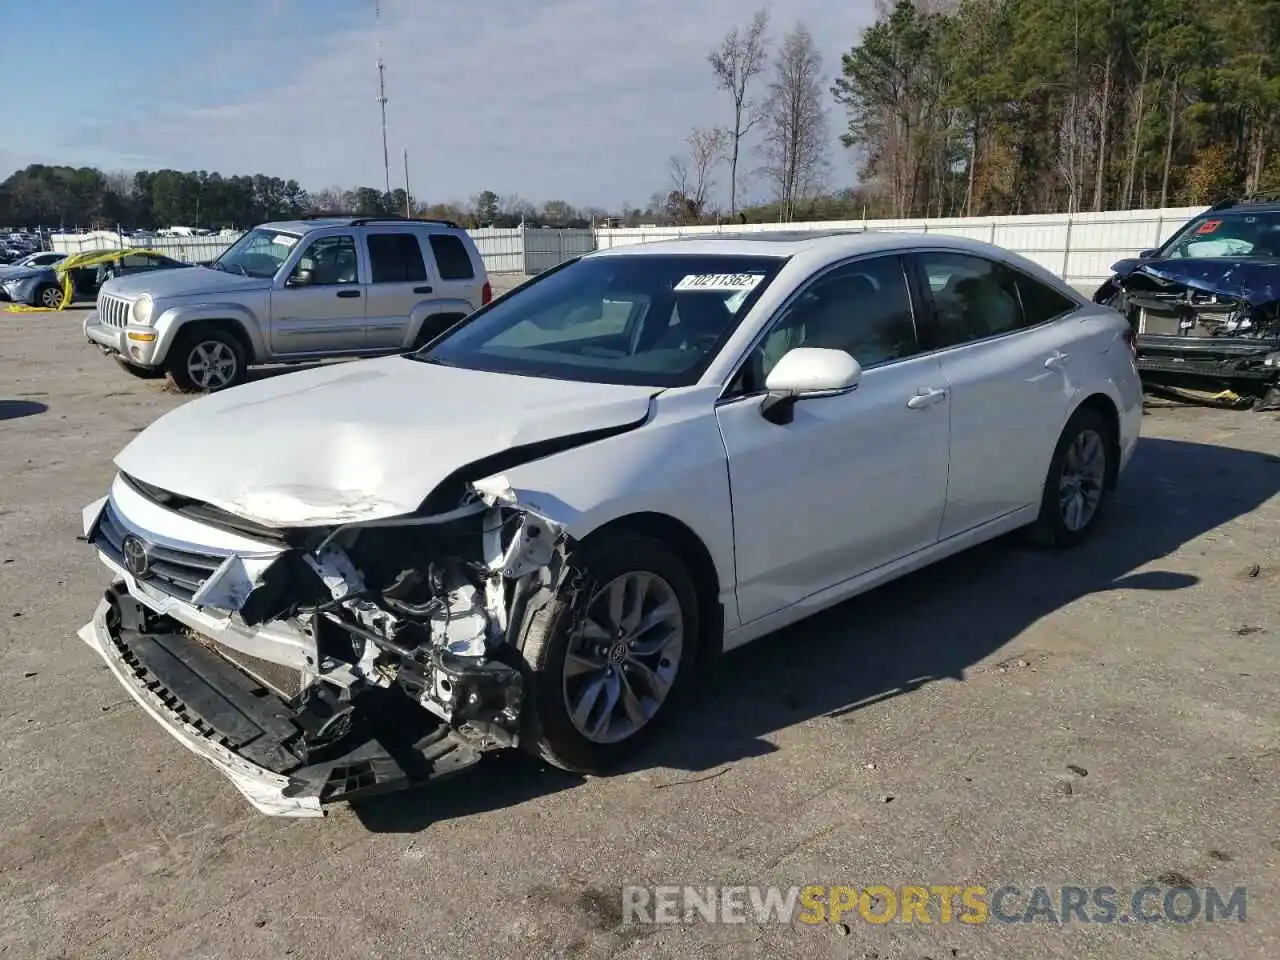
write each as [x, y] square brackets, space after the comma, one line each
[549, 727]
[48, 296]
[203, 347]
[142, 373]
[1081, 459]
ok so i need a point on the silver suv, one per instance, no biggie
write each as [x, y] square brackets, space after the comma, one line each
[293, 291]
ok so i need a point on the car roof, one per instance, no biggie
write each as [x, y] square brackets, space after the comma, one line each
[1262, 204]
[788, 243]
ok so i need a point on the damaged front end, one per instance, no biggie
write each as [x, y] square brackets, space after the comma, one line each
[1202, 321]
[324, 664]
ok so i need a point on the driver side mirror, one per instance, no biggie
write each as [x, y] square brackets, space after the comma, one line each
[1148, 254]
[807, 372]
[300, 278]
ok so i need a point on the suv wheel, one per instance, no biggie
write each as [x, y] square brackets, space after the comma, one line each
[208, 359]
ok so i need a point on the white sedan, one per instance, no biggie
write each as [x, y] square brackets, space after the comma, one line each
[534, 530]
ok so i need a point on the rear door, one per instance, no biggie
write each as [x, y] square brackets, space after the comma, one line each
[1005, 352]
[320, 308]
[399, 280]
[460, 281]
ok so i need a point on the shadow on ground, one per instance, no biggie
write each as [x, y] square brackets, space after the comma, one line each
[929, 626]
[16, 409]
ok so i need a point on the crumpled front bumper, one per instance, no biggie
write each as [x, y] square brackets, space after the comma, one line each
[275, 751]
[1217, 357]
[262, 788]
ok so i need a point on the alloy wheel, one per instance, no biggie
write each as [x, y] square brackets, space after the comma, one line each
[1084, 472]
[623, 657]
[211, 364]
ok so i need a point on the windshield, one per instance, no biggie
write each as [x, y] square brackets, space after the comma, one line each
[640, 319]
[1228, 235]
[259, 253]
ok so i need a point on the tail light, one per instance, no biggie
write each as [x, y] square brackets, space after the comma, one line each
[486, 293]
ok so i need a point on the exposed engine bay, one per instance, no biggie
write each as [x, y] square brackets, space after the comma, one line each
[409, 627]
[1212, 319]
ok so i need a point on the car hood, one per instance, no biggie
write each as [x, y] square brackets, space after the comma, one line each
[361, 441]
[1254, 281]
[182, 282]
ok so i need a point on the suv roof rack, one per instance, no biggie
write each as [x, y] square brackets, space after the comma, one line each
[359, 221]
[1258, 196]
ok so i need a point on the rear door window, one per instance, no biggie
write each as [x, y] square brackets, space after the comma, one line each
[396, 258]
[973, 298]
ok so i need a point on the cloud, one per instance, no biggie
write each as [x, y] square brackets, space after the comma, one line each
[576, 99]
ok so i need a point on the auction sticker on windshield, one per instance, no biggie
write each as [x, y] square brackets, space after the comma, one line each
[719, 281]
[284, 240]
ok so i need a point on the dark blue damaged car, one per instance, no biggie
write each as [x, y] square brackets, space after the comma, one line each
[1206, 305]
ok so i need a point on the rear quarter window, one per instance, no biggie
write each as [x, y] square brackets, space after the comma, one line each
[1040, 302]
[452, 258]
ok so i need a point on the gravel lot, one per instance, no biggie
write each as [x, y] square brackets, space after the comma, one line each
[921, 734]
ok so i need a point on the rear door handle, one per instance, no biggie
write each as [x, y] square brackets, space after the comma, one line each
[1056, 360]
[421, 289]
[348, 294]
[926, 397]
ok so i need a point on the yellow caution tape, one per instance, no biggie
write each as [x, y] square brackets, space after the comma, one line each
[77, 260]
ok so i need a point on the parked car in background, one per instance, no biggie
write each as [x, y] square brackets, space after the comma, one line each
[1206, 304]
[43, 286]
[45, 258]
[535, 529]
[286, 292]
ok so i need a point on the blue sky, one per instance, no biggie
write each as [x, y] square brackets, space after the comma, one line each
[581, 100]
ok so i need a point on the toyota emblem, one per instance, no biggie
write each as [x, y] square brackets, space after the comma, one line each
[136, 558]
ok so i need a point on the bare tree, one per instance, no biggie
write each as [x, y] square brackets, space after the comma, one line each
[691, 174]
[740, 58]
[334, 200]
[795, 137]
[121, 183]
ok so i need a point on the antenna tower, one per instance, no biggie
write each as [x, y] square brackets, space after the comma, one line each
[382, 95]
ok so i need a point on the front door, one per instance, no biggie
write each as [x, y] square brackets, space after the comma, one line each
[321, 308]
[855, 481]
[1004, 349]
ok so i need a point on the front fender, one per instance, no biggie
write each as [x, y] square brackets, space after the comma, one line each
[171, 322]
[674, 465]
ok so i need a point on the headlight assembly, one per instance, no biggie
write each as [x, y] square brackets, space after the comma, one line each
[142, 309]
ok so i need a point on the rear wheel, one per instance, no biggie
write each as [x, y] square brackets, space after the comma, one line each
[206, 359]
[608, 666]
[1076, 488]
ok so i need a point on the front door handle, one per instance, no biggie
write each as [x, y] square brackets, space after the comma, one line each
[926, 397]
[1055, 361]
[348, 294]
[421, 289]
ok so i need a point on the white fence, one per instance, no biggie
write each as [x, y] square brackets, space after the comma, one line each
[1079, 247]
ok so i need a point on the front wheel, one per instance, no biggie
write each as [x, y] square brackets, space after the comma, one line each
[611, 654]
[49, 297]
[208, 359]
[1077, 484]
